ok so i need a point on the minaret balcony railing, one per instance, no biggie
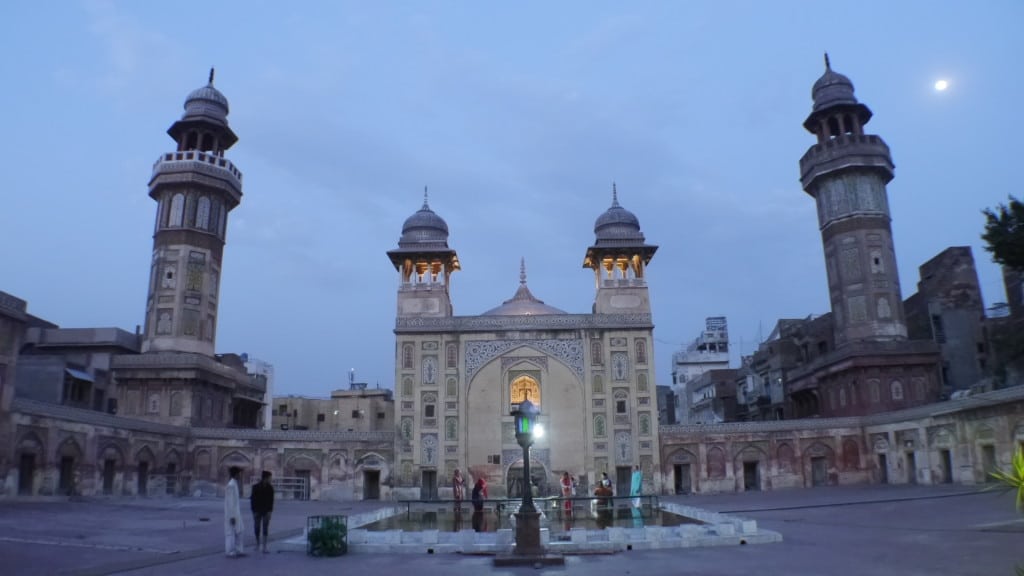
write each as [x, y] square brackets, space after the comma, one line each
[857, 145]
[196, 161]
[623, 283]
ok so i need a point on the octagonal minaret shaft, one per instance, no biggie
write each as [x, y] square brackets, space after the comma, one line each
[846, 172]
[195, 187]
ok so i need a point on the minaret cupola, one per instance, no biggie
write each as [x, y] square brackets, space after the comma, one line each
[618, 258]
[424, 263]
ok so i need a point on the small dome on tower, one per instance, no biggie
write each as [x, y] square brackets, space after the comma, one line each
[424, 227]
[206, 102]
[617, 223]
[832, 89]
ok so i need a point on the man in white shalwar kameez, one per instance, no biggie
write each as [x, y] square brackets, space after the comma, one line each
[232, 516]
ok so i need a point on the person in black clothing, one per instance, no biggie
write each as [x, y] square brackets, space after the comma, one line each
[262, 504]
[478, 496]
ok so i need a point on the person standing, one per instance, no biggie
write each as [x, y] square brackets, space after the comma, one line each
[479, 495]
[636, 483]
[232, 516]
[458, 489]
[262, 504]
[566, 483]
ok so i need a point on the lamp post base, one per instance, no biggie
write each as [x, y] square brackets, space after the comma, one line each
[534, 561]
[528, 534]
[528, 550]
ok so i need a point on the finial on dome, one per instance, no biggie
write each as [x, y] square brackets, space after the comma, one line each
[211, 76]
[828, 65]
[615, 195]
[522, 270]
[425, 205]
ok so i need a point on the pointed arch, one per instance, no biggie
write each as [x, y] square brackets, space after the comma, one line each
[177, 213]
[302, 462]
[407, 356]
[818, 448]
[896, 388]
[145, 454]
[111, 451]
[172, 456]
[679, 456]
[69, 447]
[600, 426]
[203, 463]
[203, 213]
[236, 458]
[851, 454]
[511, 353]
[785, 457]
[716, 463]
[750, 450]
[30, 442]
[451, 355]
[641, 351]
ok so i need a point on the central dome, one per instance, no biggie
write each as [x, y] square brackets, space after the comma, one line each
[523, 303]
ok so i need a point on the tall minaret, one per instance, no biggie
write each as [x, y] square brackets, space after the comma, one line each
[425, 264]
[195, 187]
[846, 173]
[618, 258]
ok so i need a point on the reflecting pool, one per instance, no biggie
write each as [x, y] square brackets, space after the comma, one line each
[557, 521]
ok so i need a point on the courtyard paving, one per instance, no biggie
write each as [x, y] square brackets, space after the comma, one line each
[877, 530]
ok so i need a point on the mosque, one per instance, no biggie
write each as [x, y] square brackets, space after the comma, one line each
[459, 377]
[103, 411]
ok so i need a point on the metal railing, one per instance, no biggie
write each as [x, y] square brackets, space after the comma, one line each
[576, 503]
[291, 487]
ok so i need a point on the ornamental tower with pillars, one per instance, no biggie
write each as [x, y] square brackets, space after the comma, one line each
[195, 187]
[618, 258]
[846, 172]
[425, 264]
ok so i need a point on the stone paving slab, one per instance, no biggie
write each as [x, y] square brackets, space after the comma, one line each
[887, 532]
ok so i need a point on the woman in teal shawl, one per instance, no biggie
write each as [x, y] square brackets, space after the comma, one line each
[634, 490]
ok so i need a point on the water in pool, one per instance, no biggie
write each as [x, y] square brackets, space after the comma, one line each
[557, 521]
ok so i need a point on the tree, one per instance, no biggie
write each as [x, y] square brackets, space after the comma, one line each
[1004, 233]
[1013, 480]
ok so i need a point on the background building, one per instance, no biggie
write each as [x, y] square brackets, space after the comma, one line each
[71, 366]
[358, 409]
[262, 373]
[948, 310]
[709, 351]
[713, 397]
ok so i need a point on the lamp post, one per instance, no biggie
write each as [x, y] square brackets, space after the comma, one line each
[527, 519]
[528, 550]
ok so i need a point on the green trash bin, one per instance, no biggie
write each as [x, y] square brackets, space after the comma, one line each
[326, 535]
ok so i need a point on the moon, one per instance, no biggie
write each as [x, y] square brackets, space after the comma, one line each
[941, 85]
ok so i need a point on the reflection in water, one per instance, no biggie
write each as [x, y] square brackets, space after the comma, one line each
[558, 522]
[479, 521]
